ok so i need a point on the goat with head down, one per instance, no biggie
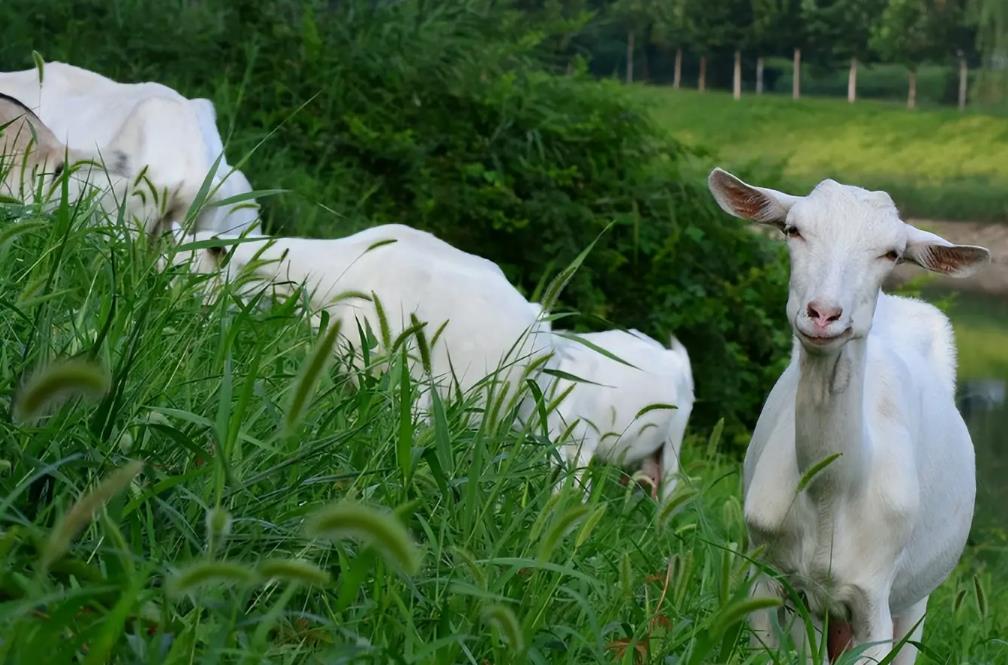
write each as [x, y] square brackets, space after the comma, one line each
[390, 279]
[628, 409]
[33, 160]
[868, 400]
[171, 142]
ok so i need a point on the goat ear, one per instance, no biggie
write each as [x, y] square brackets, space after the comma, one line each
[759, 204]
[939, 255]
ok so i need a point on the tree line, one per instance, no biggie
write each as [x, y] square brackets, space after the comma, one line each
[824, 33]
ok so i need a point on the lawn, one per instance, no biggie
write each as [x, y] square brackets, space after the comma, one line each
[936, 163]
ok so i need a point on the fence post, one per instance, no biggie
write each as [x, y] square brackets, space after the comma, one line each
[796, 75]
[963, 80]
[737, 76]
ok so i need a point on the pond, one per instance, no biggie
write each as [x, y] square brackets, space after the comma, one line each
[981, 325]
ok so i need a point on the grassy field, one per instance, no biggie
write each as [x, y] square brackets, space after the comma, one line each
[278, 517]
[939, 164]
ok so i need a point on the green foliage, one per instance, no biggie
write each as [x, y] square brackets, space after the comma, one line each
[912, 31]
[839, 26]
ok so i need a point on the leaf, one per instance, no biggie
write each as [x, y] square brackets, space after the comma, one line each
[383, 324]
[981, 597]
[674, 503]
[715, 437]
[380, 243]
[16, 229]
[594, 347]
[81, 513]
[293, 570]
[560, 374]
[56, 383]
[657, 406]
[815, 470]
[739, 610]
[309, 377]
[379, 529]
[404, 442]
[211, 573]
[39, 65]
[422, 346]
[557, 285]
[502, 618]
[589, 526]
[559, 528]
[246, 196]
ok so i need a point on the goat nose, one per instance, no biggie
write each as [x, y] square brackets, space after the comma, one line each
[823, 314]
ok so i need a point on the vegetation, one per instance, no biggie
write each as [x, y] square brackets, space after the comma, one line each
[182, 482]
[937, 164]
[454, 129]
[350, 531]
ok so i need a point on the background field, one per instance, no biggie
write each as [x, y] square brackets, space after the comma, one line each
[936, 163]
[443, 116]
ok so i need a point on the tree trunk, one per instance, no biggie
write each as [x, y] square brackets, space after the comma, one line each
[702, 79]
[759, 75]
[852, 81]
[912, 90]
[677, 77]
[629, 56]
[737, 76]
[963, 81]
[796, 75]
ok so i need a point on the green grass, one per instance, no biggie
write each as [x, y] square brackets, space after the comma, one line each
[938, 164]
[235, 542]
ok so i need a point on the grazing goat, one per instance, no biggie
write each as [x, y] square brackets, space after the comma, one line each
[32, 161]
[170, 141]
[389, 278]
[617, 413]
[863, 417]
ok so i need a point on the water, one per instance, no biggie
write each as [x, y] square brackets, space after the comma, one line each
[985, 409]
[981, 323]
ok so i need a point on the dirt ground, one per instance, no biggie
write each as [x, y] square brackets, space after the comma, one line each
[994, 236]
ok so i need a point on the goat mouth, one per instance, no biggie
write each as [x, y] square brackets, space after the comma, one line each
[823, 340]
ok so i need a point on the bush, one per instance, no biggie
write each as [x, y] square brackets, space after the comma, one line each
[440, 115]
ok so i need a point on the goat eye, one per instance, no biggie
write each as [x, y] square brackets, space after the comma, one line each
[792, 232]
[891, 255]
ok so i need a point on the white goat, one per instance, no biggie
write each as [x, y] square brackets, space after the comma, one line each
[870, 387]
[625, 415]
[475, 320]
[32, 161]
[169, 140]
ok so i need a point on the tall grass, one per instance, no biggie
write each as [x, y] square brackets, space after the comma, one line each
[185, 517]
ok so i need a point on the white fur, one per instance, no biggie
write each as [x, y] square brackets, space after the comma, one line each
[878, 529]
[489, 324]
[175, 139]
[32, 161]
[602, 416]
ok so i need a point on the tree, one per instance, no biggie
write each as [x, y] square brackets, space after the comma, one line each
[777, 24]
[669, 31]
[912, 31]
[837, 27]
[991, 20]
[714, 27]
[636, 17]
